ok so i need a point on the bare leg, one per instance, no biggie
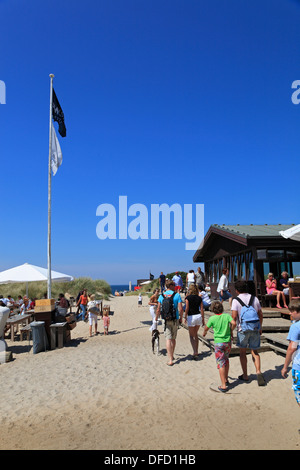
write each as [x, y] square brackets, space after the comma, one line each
[243, 360]
[170, 344]
[193, 331]
[256, 360]
[223, 371]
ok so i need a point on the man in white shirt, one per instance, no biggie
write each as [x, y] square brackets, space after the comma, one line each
[247, 339]
[178, 282]
[222, 288]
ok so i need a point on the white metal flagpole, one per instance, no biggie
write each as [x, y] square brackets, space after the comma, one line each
[49, 188]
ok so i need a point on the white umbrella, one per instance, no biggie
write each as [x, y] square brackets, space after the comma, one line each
[293, 233]
[30, 273]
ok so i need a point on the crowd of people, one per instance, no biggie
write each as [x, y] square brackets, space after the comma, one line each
[246, 317]
[21, 305]
[188, 306]
[87, 309]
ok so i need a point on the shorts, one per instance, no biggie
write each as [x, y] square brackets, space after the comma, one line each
[194, 320]
[248, 339]
[92, 317]
[226, 295]
[171, 328]
[222, 351]
[296, 384]
[177, 288]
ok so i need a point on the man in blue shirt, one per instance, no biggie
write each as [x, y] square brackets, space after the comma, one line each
[171, 327]
[293, 351]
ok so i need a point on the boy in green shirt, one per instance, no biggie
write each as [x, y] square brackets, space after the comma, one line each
[223, 326]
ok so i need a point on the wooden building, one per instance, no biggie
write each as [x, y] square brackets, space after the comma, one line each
[250, 252]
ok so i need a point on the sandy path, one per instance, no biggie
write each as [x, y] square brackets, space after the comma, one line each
[111, 392]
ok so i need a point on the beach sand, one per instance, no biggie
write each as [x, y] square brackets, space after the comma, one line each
[112, 393]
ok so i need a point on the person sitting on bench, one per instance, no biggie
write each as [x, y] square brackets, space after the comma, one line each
[271, 286]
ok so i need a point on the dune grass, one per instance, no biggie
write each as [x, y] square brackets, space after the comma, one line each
[36, 290]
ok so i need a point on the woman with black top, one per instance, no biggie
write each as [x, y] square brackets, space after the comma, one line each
[194, 317]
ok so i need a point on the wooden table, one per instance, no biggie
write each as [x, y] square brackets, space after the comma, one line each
[16, 320]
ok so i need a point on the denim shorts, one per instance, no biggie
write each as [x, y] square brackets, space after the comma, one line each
[248, 339]
[226, 295]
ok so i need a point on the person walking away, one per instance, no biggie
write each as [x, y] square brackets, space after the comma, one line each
[190, 278]
[194, 317]
[93, 317]
[222, 288]
[293, 351]
[152, 307]
[82, 302]
[106, 322]
[171, 326]
[140, 299]
[178, 281]
[248, 338]
[223, 326]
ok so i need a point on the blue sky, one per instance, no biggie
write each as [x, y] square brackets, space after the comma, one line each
[169, 101]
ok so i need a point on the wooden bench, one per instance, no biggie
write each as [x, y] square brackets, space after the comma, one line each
[25, 331]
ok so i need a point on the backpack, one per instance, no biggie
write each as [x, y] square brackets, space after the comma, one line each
[168, 311]
[249, 319]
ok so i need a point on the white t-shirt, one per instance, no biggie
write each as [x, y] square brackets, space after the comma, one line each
[238, 307]
[223, 283]
[205, 297]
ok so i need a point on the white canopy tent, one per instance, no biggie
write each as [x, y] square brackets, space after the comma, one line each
[293, 233]
[29, 273]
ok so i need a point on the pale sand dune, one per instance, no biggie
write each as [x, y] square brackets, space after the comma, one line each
[111, 392]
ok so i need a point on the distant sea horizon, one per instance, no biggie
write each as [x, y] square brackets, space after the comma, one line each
[121, 287]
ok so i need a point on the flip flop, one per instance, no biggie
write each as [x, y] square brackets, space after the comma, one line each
[223, 390]
[260, 379]
[240, 377]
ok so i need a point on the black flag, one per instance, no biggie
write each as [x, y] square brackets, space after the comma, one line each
[58, 115]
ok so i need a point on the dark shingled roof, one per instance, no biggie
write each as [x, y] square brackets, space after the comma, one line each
[242, 234]
[254, 230]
